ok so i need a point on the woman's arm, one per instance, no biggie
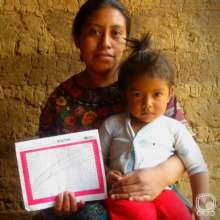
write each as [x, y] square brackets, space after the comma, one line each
[199, 184]
[148, 182]
[172, 170]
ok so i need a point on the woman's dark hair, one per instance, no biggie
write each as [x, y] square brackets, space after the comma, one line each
[91, 6]
[144, 60]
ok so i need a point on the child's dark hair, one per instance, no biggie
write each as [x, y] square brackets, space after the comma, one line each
[144, 60]
[91, 6]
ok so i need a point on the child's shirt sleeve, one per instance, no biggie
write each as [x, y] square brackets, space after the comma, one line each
[189, 152]
[105, 140]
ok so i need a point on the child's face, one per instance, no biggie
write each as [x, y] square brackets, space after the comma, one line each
[147, 98]
[102, 40]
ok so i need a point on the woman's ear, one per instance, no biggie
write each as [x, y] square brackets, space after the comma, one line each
[171, 90]
[77, 43]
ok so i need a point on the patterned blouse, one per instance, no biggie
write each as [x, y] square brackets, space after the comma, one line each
[72, 108]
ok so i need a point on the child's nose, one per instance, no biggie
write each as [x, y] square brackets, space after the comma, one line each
[147, 102]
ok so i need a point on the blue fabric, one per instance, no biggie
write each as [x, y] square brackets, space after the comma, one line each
[91, 211]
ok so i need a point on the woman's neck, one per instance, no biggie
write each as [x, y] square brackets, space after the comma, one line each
[88, 79]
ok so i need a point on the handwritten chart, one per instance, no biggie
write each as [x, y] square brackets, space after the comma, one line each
[48, 166]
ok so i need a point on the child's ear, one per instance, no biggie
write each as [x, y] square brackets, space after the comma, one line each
[123, 96]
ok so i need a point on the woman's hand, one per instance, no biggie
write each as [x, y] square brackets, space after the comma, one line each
[113, 176]
[140, 185]
[148, 182]
[66, 204]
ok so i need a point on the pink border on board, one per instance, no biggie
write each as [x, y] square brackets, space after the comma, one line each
[32, 201]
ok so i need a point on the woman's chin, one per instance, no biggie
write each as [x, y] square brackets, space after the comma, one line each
[103, 68]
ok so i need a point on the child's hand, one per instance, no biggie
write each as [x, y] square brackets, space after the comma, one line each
[113, 176]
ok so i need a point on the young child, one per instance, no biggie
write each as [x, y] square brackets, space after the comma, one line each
[143, 137]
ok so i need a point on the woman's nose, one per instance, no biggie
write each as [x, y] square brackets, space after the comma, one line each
[106, 40]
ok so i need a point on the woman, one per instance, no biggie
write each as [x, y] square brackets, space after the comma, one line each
[86, 99]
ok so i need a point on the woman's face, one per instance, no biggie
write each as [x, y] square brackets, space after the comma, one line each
[102, 40]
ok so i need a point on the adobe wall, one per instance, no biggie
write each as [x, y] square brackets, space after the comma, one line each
[37, 53]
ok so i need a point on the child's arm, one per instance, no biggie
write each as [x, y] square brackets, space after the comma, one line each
[199, 184]
[189, 152]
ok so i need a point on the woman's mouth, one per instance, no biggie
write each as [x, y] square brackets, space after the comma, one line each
[104, 56]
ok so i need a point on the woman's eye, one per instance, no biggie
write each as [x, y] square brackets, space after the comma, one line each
[116, 34]
[94, 32]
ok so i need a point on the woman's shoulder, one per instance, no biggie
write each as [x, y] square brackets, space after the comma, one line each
[64, 86]
[68, 89]
[69, 83]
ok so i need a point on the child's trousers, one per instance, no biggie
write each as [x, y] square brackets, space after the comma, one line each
[167, 206]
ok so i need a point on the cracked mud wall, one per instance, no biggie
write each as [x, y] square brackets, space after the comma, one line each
[37, 53]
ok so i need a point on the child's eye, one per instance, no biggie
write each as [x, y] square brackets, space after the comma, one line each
[158, 94]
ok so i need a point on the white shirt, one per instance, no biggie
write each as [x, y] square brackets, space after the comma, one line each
[153, 144]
